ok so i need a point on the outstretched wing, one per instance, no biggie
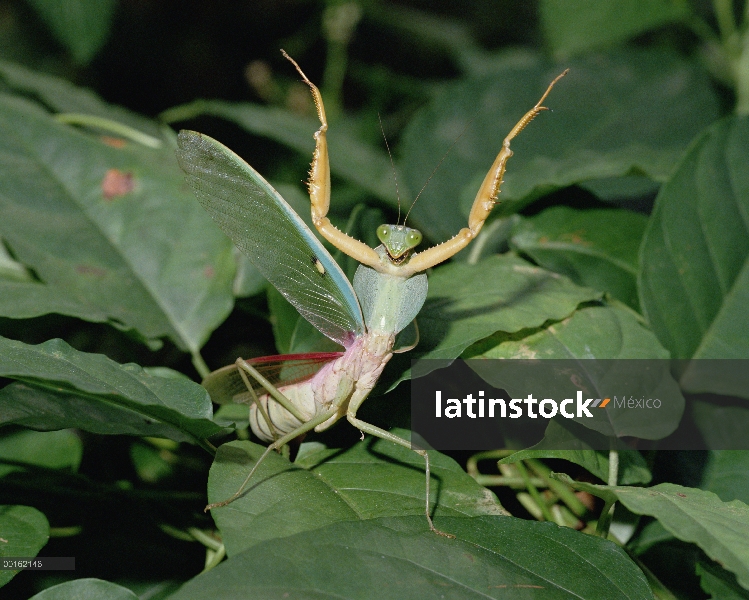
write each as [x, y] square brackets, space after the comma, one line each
[268, 231]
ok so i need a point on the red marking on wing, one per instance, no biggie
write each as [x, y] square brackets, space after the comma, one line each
[318, 357]
[209, 272]
[287, 369]
[116, 183]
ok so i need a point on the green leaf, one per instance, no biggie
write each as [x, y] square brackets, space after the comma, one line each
[86, 589]
[579, 25]
[604, 332]
[632, 466]
[612, 189]
[150, 462]
[145, 253]
[62, 96]
[627, 112]
[350, 159]
[492, 557]
[49, 449]
[651, 534]
[594, 248]
[60, 387]
[721, 427]
[82, 26]
[467, 303]
[727, 474]
[27, 299]
[25, 531]
[719, 528]
[374, 478]
[719, 583]
[694, 280]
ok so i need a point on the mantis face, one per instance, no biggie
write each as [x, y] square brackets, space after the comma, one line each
[398, 240]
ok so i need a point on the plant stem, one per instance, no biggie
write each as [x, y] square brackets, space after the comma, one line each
[724, 16]
[109, 125]
[613, 467]
[339, 23]
[533, 491]
[505, 481]
[607, 514]
[214, 557]
[472, 467]
[742, 73]
[199, 364]
[205, 539]
[564, 493]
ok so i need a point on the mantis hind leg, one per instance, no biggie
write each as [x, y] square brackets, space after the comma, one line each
[246, 369]
[386, 435]
[303, 428]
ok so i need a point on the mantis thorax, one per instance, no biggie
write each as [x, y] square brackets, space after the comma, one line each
[398, 240]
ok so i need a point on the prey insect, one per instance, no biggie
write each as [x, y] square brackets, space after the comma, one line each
[389, 287]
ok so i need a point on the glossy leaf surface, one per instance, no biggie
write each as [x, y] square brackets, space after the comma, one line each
[491, 557]
[59, 387]
[25, 532]
[144, 256]
[694, 260]
[372, 479]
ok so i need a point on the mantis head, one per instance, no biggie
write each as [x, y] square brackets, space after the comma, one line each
[398, 240]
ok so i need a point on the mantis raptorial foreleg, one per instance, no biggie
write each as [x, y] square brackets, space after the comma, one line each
[486, 198]
[319, 188]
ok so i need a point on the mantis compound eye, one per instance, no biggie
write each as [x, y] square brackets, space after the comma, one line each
[383, 233]
[413, 238]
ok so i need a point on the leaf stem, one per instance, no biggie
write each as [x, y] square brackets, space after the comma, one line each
[112, 126]
[607, 514]
[205, 539]
[742, 72]
[472, 464]
[726, 21]
[213, 558]
[506, 481]
[613, 466]
[534, 493]
[339, 22]
[199, 364]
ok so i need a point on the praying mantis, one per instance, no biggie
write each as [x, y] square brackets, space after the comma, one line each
[389, 287]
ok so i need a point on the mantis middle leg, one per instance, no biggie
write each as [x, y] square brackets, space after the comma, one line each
[386, 435]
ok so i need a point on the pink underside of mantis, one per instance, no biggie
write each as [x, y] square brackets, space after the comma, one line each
[346, 379]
